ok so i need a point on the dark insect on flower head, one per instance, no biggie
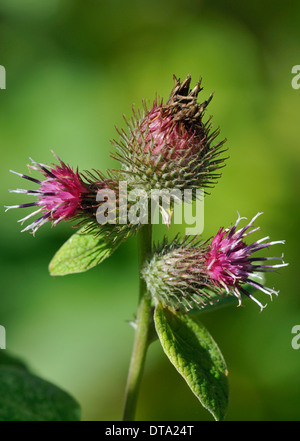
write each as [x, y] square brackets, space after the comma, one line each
[193, 273]
[170, 146]
[176, 127]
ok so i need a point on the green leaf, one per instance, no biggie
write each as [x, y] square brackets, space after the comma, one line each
[84, 250]
[26, 397]
[7, 359]
[196, 356]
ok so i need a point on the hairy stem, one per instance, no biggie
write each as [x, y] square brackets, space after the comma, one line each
[143, 322]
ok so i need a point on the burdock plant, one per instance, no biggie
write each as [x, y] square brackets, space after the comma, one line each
[169, 145]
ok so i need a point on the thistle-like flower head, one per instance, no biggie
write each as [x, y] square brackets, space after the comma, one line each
[170, 146]
[193, 273]
[230, 263]
[176, 127]
[59, 197]
[90, 198]
[63, 194]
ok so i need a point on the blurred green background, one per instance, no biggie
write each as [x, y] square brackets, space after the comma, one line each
[73, 69]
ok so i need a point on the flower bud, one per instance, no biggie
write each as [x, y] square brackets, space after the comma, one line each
[170, 146]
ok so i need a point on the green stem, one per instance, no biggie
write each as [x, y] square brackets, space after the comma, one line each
[143, 322]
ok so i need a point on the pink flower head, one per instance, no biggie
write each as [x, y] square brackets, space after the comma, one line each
[165, 136]
[176, 128]
[170, 145]
[229, 261]
[60, 194]
[190, 273]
